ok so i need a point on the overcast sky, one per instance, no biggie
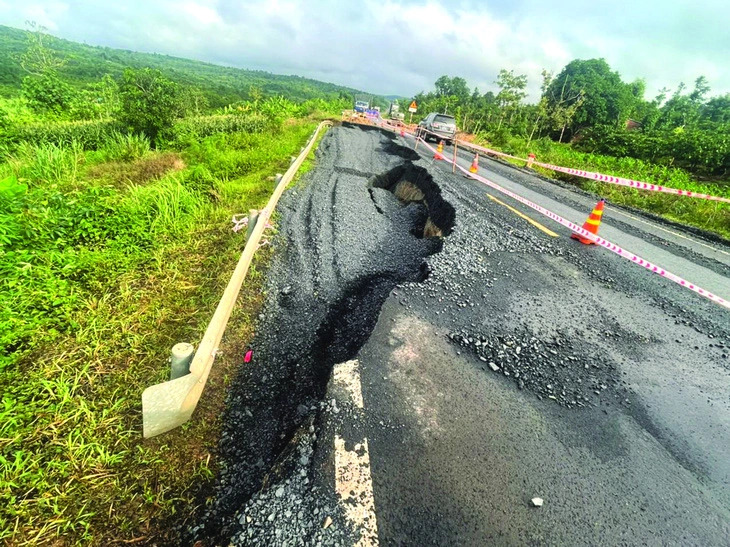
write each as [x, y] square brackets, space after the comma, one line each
[402, 46]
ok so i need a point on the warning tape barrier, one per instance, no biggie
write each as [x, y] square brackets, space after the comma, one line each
[588, 235]
[610, 179]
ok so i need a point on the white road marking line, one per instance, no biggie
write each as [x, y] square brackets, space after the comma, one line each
[615, 210]
[347, 375]
[354, 486]
[353, 480]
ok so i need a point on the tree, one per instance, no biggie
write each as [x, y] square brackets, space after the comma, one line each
[541, 110]
[607, 100]
[194, 101]
[702, 88]
[717, 109]
[511, 93]
[48, 93]
[684, 111]
[106, 96]
[149, 102]
[38, 59]
[452, 87]
[45, 91]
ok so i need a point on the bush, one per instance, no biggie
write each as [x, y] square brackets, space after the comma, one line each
[48, 93]
[703, 152]
[150, 103]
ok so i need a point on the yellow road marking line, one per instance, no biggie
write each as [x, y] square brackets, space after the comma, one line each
[615, 210]
[535, 223]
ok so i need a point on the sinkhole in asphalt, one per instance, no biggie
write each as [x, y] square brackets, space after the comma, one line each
[411, 183]
[303, 335]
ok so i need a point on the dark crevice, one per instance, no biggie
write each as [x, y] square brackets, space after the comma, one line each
[375, 203]
[350, 171]
[413, 184]
[303, 335]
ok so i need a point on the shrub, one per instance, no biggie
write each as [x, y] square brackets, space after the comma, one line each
[149, 102]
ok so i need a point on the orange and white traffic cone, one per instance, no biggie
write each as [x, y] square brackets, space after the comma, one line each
[475, 164]
[439, 151]
[592, 224]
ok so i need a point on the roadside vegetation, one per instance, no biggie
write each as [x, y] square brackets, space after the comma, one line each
[119, 175]
[589, 118]
[116, 243]
[708, 215]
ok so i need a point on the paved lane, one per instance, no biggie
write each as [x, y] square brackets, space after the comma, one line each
[706, 263]
[523, 365]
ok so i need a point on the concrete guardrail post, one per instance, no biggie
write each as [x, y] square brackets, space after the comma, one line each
[180, 358]
[253, 216]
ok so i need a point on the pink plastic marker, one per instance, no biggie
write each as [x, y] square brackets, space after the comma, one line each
[249, 355]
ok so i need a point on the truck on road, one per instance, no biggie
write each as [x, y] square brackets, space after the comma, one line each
[394, 112]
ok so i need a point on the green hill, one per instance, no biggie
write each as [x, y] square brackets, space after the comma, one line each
[222, 85]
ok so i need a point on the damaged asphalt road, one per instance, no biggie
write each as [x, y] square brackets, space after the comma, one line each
[493, 364]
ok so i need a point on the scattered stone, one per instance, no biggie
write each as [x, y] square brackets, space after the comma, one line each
[327, 523]
[536, 502]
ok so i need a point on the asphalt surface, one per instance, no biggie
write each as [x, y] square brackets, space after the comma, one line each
[476, 371]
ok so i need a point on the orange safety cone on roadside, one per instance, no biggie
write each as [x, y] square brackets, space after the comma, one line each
[592, 224]
[475, 164]
[439, 150]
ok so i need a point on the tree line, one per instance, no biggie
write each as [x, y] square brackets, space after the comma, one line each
[134, 99]
[589, 105]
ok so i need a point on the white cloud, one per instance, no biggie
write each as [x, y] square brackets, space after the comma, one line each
[45, 14]
[391, 46]
[204, 15]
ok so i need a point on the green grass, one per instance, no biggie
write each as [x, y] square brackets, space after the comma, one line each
[707, 215]
[97, 281]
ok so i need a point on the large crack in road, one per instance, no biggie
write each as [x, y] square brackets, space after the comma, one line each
[347, 240]
[444, 298]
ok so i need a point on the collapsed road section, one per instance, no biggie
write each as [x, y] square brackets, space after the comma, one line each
[356, 226]
[489, 364]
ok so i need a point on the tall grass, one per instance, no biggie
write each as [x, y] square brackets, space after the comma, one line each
[97, 282]
[47, 163]
[170, 207]
[125, 147]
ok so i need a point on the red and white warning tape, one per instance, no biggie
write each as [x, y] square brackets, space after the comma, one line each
[611, 179]
[598, 240]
